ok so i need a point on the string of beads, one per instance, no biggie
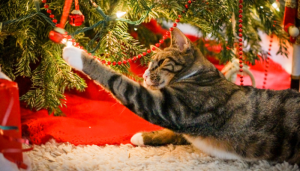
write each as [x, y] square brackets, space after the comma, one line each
[240, 50]
[268, 60]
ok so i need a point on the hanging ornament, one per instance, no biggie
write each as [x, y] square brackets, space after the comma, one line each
[76, 18]
[59, 33]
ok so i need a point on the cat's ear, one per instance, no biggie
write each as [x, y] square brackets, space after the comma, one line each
[156, 49]
[179, 40]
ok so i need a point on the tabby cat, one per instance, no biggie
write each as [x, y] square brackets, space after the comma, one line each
[184, 93]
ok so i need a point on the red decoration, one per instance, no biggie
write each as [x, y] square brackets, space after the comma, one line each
[139, 56]
[76, 18]
[144, 53]
[10, 116]
[240, 40]
[44, 1]
[149, 51]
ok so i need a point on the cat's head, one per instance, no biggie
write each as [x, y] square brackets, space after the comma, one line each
[166, 64]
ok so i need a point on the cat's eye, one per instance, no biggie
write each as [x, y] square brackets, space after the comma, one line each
[160, 62]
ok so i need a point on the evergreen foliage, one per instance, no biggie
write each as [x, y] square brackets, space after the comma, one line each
[25, 49]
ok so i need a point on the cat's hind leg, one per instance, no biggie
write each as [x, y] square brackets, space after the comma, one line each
[158, 138]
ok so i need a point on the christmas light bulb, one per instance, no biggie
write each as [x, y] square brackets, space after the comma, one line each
[69, 43]
[276, 5]
[120, 14]
[64, 41]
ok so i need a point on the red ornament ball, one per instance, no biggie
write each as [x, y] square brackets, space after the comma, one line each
[157, 44]
[124, 62]
[134, 58]
[189, 1]
[119, 63]
[46, 6]
[165, 37]
[76, 18]
[179, 16]
[56, 37]
[129, 60]
[174, 24]
[114, 63]
[108, 62]
[161, 41]
[51, 16]
[167, 33]
[139, 56]
[171, 28]
[153, 48]
[44, 1]
[144, 53]
[149, 51]
[177, 20]
[54, 20]
[49, 11]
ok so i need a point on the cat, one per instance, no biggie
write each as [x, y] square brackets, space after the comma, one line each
[185, 94]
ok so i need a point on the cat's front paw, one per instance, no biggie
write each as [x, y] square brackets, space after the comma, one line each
[137, 139]
[72, 56]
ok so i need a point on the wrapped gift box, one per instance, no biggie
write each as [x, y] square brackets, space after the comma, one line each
[10, 116]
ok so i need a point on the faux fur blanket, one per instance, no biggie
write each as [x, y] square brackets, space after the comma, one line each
[68, 157]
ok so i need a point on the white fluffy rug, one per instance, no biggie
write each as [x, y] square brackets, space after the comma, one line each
[65, 157]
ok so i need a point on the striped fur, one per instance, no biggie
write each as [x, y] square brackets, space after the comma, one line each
[185, 93]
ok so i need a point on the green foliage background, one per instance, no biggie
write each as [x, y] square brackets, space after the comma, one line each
[26, 51]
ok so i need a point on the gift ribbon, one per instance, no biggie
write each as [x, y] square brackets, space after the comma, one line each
[12, 139]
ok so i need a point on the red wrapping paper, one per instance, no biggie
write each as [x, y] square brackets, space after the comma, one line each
[10, 116]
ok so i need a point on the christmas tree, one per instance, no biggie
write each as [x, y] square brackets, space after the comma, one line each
[27, 51]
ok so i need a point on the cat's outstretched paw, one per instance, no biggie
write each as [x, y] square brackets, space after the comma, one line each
[72, 56]
[137, 139]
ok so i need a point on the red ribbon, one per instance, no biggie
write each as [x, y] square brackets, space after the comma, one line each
[65, 14]
[76, 5]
